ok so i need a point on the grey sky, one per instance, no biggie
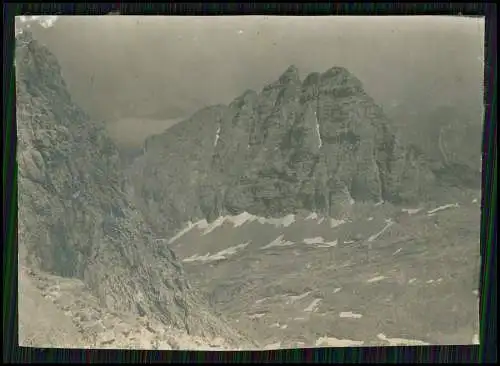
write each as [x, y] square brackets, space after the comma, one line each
[163, 68]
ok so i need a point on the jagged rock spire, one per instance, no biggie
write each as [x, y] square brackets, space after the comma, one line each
[291, 74]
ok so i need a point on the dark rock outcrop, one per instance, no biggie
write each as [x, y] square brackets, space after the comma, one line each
[75, 216]
[314, 145]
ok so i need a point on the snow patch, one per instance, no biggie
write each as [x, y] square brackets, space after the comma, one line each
[376, 279]
[273, 346]
[435, 281]
[317, 240]
[237, 221]
[337, 290]
[241, 219]
[217, 136]
[278, 242]
[320, 242]
[313, 306]
[256, 316]
[312, 216]
[278, 222]
[335, 223]
[397, 251]
[335, 342]
[260, 301]
[202, 224]
[223, 254]
[401, 341]
[444, 207]
[350, 314]
[318, 134]
[188, 228]
[411, 211]
[214, 225]
[293, 298]
[411, 280]
[375, 236]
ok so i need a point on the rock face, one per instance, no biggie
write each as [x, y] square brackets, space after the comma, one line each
[451, 142]
[75, 217]
[317, 144]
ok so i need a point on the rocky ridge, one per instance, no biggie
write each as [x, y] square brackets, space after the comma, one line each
[315, 145]
[75, 216]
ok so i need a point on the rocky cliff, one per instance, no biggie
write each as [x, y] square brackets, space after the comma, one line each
[319, 144]
[75, 217]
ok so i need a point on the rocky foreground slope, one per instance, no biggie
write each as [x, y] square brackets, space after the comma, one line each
[75, 217]
[315, 145]
[61, 312]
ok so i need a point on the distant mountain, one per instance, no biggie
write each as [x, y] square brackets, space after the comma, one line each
[451, 142]
[318, 144]
[75, 216]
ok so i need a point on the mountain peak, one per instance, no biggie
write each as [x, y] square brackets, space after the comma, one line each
[341, 81]
[291, 74]
[335, 71]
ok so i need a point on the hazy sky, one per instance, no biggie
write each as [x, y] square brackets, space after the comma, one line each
[123, 67]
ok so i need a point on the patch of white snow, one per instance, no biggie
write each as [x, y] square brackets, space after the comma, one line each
[241, 219]
[318, 134]
[375, 236]
[397, 251]
[214, 225]
[376, 279]
[320, 242]
[312, 216]
[273, 346]
[278, 242]
[444, 207]
[411, 211]
[335, 223]
[278, 222]
[292, 299]
[350, 314]
[182, 232]
[335, 342]
[313, 306]
[401, 341]
[217, 136]
[223, 254]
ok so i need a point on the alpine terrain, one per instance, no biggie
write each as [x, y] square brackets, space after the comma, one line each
[308, 220]
[91, 272]
[296, 216]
